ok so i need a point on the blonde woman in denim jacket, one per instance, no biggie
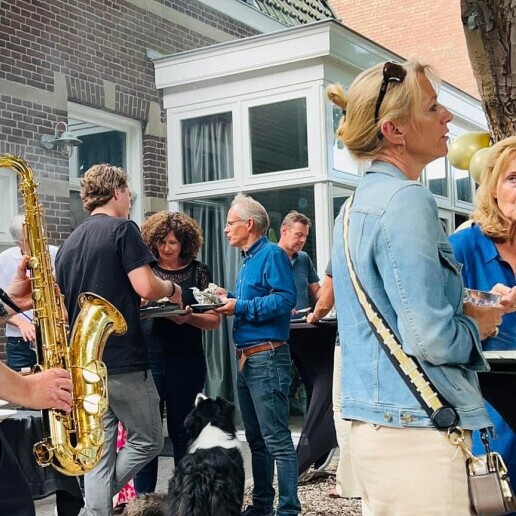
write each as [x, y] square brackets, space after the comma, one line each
[405, 466]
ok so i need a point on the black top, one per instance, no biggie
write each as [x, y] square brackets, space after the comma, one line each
[97, 257]
[165, 336]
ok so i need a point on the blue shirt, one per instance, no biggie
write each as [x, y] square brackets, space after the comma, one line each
[304, 275]
[265, 293]
[482, 269]
[405, 263]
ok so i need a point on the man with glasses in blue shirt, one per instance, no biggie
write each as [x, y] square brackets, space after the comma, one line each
[264, 296]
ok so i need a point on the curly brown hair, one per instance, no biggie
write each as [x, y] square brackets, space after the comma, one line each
[99, 184]
[187, 231]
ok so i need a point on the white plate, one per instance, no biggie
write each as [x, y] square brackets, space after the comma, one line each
[507, 354]
[3, 402]
[5, 413]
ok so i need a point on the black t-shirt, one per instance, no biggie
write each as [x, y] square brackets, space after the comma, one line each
[165, 336]
[97, 258]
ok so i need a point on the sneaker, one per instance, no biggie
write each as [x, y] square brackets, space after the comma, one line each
[250, 510]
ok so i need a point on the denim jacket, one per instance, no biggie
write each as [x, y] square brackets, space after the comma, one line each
[405, 263]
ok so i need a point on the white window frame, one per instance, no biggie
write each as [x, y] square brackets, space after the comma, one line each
[181, 191]
[134, 150]
[290, 177]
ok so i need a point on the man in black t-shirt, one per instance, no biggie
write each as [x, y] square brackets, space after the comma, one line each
[107, 256]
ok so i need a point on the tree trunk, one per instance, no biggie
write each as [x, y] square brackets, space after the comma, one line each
[490, 29]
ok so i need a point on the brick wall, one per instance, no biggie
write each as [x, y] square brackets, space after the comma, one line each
[80, 50]
[431, 31]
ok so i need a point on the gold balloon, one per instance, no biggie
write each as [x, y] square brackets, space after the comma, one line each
[461, 149]
[477, 162]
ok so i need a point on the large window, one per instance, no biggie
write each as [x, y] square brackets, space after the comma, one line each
[207, 148]
[278, 135]
[99, 145]
[437, 177]
[463, 187]
[106, 138]
[104, 146]
[211, 214]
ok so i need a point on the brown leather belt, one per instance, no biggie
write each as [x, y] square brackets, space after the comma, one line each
[244, 353]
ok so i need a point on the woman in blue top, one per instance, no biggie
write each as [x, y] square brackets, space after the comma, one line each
[487, 251]
[400, 253]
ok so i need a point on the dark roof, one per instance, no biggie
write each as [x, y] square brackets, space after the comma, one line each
[294, 12]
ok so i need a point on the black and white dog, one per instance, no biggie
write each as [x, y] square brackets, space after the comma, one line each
[210, 479]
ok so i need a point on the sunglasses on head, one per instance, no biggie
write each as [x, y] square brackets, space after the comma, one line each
[392, 72]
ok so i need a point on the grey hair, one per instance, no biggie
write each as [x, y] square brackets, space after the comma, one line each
[16, 228]
[249, 208]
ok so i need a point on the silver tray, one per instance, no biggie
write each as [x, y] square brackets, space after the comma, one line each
[161, 310]
[200, 308]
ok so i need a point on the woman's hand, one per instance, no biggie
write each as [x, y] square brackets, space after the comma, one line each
[488, 318]
[508, 294]
[27, 330]
[182, 319]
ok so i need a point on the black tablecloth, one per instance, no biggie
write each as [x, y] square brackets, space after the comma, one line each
[314, 346]
[21, 431]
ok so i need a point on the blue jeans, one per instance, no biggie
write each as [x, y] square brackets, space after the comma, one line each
[19, 353]
[263, 389]
[178, 381]
[133, 400]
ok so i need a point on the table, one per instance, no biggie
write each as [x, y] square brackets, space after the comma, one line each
[314, 345]
[21, 431]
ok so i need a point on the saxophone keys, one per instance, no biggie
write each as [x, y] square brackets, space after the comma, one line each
[94, 371]
[92, 405]
[33, 263]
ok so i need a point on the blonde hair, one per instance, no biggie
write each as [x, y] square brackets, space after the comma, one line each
[487, 212]
[294, 216]
[99, 184]
[357, 128]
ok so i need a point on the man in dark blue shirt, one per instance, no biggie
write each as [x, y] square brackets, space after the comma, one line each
[264, 296]
[294, 232]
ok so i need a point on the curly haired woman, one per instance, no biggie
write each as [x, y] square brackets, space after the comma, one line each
[175, 343]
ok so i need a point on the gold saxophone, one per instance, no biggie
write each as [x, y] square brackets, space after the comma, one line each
[72, 443]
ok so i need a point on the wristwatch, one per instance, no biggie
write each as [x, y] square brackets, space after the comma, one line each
[4, 315]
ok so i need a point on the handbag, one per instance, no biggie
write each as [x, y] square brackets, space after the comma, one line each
[490, 489]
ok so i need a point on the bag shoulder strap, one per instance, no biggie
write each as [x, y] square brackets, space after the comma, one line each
[441, 413]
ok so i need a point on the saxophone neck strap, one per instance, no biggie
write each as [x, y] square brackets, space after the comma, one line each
[441, 413]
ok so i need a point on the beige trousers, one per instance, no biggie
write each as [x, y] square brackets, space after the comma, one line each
[347, 485]
[409, 471]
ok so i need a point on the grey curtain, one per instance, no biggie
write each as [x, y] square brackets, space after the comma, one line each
[207, 144]
[223, 261]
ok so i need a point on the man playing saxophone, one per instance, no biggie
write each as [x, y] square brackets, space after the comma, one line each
[106, 255]
[48, 389]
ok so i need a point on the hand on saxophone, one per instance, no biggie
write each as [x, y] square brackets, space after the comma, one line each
[50, 389]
